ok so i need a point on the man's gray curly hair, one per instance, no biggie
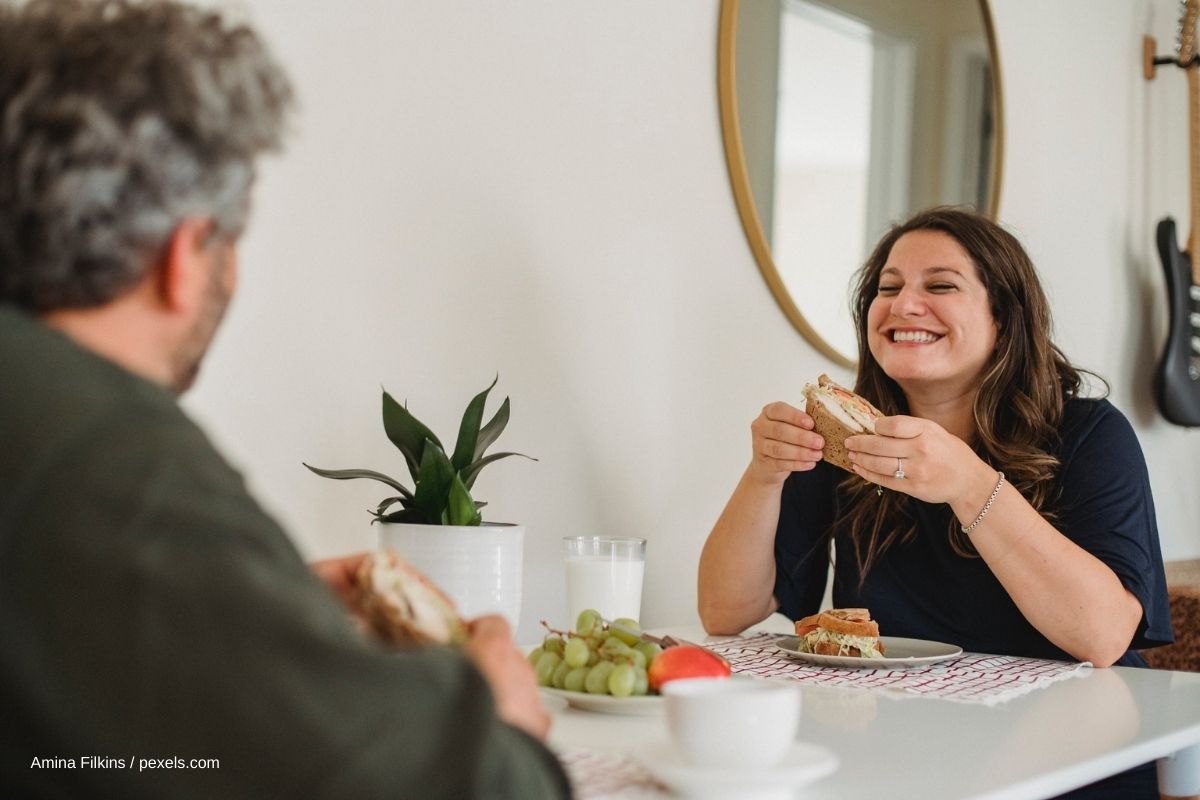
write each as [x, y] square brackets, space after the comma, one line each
[118, 120]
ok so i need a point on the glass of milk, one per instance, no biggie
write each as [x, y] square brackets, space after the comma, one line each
[604, 573]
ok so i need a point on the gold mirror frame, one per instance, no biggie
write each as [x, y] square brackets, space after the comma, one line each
[739, 176]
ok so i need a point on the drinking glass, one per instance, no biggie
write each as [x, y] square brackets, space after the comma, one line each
[604, 573]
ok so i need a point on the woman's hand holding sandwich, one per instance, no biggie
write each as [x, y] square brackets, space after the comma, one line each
[1036, 564]
[938, 466]
[782, 442]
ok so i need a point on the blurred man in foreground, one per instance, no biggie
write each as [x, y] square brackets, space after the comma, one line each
[161, 636]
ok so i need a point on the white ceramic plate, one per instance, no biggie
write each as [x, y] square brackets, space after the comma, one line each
[804, 763]
[901, 652]
[607, 704]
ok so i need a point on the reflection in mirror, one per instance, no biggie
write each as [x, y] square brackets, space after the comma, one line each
[842, 117]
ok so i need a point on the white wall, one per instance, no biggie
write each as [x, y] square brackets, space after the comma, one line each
[538, 188]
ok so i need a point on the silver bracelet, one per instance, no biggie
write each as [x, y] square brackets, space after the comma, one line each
[986, 506]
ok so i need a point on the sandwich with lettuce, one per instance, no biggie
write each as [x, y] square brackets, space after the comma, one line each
[840, 632]
[838, 413]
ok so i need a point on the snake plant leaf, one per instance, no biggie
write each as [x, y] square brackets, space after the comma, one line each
[468, 430]
[403, 515]
[348, 474]
[384, 505]
[469, 474]
[461, 508]
[407, 433]
[491, 431]
[433, 482]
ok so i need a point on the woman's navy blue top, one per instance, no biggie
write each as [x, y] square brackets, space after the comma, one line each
[922, 589]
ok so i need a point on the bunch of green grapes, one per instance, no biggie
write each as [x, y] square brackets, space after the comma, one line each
[596, 659]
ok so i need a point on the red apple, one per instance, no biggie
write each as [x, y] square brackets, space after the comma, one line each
[685, 661]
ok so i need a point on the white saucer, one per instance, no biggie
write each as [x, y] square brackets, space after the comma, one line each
[803, 763]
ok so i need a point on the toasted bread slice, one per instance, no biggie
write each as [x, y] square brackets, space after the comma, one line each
[806, 624]
[852, 614]
[850, 627]
[810, 620]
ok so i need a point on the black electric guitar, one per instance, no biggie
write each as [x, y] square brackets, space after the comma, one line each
[1177, 382]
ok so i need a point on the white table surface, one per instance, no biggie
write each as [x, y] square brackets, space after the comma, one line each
[1048, 741]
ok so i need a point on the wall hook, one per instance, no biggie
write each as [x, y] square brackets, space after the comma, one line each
[1151, 62]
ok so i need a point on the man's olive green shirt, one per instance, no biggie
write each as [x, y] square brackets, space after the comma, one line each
[150, 610]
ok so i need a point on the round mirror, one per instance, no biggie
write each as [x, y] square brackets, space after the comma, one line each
[841, 117]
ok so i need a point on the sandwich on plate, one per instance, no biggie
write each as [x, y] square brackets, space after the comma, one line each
[838, 413]
[403, 606]
[840, 632]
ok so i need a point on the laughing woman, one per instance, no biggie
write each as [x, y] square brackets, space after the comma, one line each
[1020, 520]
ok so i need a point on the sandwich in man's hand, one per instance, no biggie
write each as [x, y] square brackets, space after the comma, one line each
[840, 632]
[403, 606]
[838, 413]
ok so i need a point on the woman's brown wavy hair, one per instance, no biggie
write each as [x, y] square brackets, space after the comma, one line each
[1022, 392]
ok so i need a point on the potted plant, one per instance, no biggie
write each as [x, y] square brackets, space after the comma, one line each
[437, 525]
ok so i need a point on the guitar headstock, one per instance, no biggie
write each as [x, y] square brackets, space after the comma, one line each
[1189, 13]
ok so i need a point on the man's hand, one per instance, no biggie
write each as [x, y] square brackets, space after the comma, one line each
[339, 574]
[490, 648]
[508, 673]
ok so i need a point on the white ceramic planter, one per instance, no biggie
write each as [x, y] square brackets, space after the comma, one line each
[478, 566]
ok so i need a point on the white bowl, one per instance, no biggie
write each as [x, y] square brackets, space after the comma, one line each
[732, 723]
